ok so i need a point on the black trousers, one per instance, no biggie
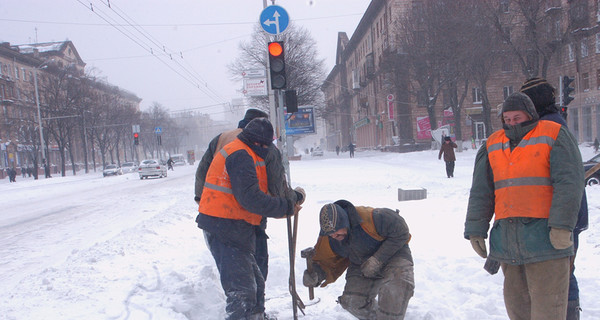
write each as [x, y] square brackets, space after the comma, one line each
[241, 279]
[450, 169]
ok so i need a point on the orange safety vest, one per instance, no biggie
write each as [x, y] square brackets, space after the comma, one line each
[522, 182]
[217, 196]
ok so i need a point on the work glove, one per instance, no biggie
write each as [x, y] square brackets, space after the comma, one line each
[300, 195]
[478, 244]
[310, 279]
[560, 238]
[371, 267]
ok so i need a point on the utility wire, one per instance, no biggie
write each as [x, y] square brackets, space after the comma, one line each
[173, 25]
[137, 41]
[123, 15]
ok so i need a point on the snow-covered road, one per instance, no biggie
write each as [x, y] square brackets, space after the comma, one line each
[88, 247]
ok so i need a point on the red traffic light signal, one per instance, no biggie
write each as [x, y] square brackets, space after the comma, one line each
[277, 65]
[136, 139]
[276, 48]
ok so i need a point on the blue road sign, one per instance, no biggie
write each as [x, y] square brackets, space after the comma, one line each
[274, 19]
[157, 130]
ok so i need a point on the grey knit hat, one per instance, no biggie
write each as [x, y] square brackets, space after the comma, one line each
[333, 218]
[519, 101]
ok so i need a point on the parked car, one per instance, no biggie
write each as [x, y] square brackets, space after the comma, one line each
[112, 170]
[129, 167]
[152, 168]
[317, 152]
[594, 179]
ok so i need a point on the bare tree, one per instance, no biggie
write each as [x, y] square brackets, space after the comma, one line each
[533, 30]
[304, 70]
[436, 38]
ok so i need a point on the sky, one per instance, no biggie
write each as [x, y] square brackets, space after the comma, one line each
[173, 52]
[88, 247]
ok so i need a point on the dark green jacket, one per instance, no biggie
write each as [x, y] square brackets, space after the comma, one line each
[526, 240]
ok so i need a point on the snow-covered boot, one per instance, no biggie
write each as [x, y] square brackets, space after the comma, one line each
[573, 310]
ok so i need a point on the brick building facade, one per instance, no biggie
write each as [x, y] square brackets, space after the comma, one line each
[365, 109]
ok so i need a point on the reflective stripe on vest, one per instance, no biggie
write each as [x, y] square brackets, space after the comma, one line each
[522, 182]
[217, 196]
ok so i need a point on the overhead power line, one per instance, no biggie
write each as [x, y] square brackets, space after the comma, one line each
[145, 41]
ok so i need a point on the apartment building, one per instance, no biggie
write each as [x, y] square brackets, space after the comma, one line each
[20, 65]
[370, 105]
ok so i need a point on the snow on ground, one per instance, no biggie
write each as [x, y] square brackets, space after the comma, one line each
[88, 247]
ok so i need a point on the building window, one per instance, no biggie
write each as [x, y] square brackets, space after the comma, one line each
[585, 81]
[507, 64]
[0, 68]
[476, 95]
[597, 42]
[24, 74]
[584, 48]
[506, 34]
[504, 6]
[598, 79]
[508, 90]
[571, 52]
[17, 73]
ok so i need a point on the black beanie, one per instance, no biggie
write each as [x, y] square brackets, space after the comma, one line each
[518, 101]
[250, 115]
[259, 130]
[255, 113]
[541, 94]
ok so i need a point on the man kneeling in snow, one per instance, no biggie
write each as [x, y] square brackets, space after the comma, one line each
[373, 245]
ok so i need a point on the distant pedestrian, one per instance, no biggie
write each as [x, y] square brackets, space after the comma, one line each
[24, 172]
[337, 150]
[351, 149]
[448, 150]
[170, 164]
[29, 171]
[596, 145]
[12, 175]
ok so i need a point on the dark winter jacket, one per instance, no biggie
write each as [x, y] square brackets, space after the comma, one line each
[448, 150]
[244, 184]
[390, 228]
[582, 217]
[526, 240]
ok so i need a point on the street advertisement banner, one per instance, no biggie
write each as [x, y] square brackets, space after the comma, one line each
[301, 122]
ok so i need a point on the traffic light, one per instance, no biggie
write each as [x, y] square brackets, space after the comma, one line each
[563, 112]
[277, 65]
[136, 138]
[567, 90]
[291, 101]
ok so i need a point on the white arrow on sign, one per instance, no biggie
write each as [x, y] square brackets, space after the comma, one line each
[268, 22]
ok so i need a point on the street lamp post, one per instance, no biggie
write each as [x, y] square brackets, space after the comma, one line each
[39, 112]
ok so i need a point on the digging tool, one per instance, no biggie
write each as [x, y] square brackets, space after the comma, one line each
[308, 254]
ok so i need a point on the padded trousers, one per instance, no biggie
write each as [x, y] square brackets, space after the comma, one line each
[537, 291]
[393, 291]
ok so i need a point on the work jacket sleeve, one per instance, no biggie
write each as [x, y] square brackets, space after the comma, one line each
[246, 190]
[393, 228]
[567, 174]
[203, 166]
[278, 185]
[480, 209]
